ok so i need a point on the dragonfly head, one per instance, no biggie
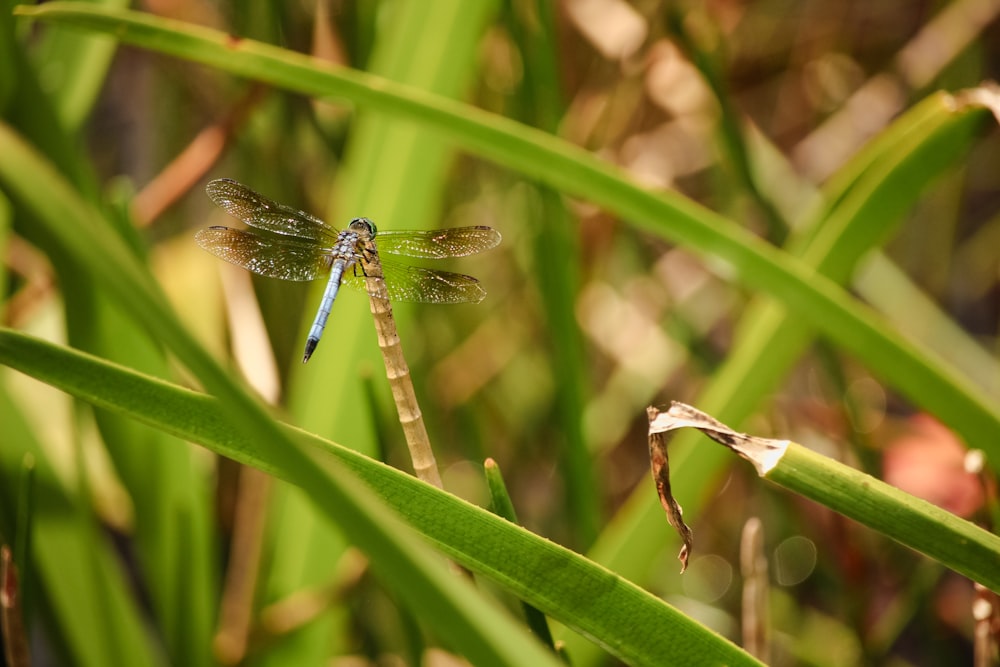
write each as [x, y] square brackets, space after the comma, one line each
[363, 226]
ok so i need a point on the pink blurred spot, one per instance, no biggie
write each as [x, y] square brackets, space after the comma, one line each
[928, 463]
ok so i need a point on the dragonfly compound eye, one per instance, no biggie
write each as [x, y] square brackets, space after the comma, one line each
[363, 225]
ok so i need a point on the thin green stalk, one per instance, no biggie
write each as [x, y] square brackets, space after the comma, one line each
[502, 505]
[730, 130]
[25, 522]
[532, 26]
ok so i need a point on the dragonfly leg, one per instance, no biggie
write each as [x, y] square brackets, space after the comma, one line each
[368, 256]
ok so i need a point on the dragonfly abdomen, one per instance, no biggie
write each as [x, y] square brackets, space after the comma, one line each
[343, 256]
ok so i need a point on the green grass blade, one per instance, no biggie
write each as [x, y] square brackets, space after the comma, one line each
[914, 522]
[169, 492]
[76, 69]
[627, 621]
[172, 526]
[887, 288]
[555, 235]
[502, 506]
[27, 493]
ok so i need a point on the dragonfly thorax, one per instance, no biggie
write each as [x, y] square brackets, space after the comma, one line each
[363, 227]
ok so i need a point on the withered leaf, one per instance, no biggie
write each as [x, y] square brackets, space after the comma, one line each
[762, 452]
[661, 476]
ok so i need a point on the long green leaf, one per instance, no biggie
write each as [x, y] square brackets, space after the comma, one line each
[76, 68]
[555, 235]
[626, 620]
[913, 370]
[920, 525]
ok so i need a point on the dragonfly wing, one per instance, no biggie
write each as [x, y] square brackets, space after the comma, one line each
[258, 211]
[438, 243]
[287, 259]
[414, 283]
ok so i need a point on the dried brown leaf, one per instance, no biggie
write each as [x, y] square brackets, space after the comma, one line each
[762, 452]
[661, 475]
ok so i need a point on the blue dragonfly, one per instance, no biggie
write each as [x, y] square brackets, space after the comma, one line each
[299, 246]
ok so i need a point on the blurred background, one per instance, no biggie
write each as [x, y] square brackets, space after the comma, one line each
[746, 108]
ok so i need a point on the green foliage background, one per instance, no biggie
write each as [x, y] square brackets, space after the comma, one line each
[823, 299]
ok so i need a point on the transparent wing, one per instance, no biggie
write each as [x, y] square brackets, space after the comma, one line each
[287, 259]
[414, 283]
[258, 211]
[438, 243]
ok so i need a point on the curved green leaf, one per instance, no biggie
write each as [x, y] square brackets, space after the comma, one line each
[913, 370]
[623, 618]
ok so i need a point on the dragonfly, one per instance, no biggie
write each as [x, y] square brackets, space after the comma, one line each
[298, 246]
